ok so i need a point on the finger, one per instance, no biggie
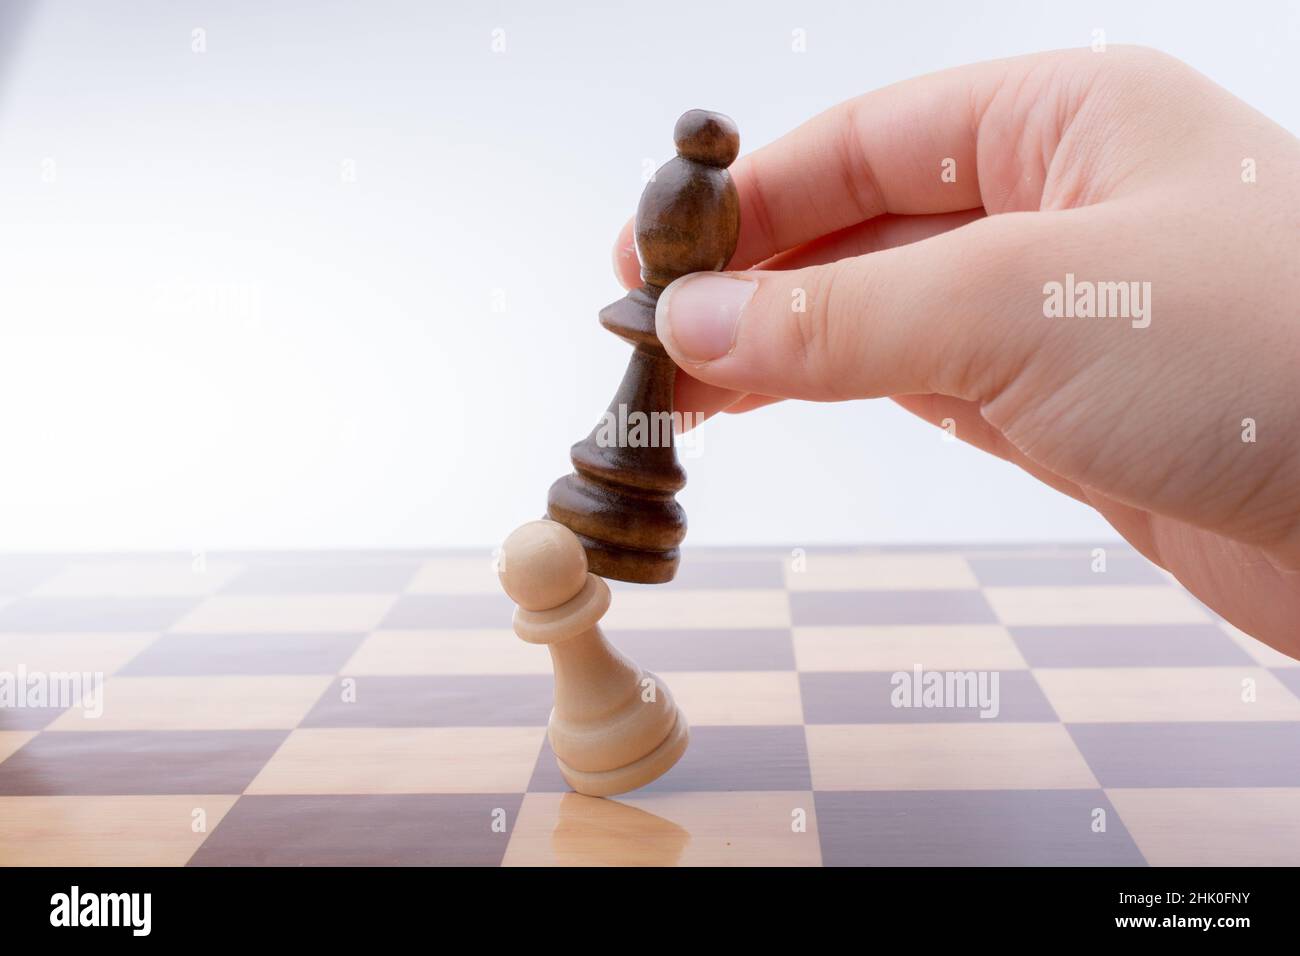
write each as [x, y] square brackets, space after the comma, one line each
[884, 232]
[952, 314]
[626, 265]
[698, 401]
[751, 403]
[978, 135]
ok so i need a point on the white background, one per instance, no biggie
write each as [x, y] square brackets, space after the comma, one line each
[209, 339]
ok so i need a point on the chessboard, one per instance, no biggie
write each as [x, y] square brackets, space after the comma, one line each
[336, 708]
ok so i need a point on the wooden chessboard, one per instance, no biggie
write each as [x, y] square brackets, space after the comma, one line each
[368, 708]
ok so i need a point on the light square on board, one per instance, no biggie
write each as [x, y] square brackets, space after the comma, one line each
[1122, 567]
[698, 609]
[984, 755]
[741, 828]
[403, 760]
[744, 571]
[476, 575]
[736, 697]
[1164, 694]
[236, 614]
[178, 576]
[181, 655]
[880, 572]
[138, 830]
[324, 577]
[55, 653]
[449, 611]
[709, 649]
[19, 574]
[900, 647]
[97, 615]
[881, 608]
[198, 703]
[476, 651]
[1094, 605]
[1213, 827]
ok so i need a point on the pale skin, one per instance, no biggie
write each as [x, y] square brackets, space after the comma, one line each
[1118, 166]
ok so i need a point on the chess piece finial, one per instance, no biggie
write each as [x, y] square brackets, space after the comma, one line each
[615, 727]
[620, 498]
[542, 566]
[688, 219]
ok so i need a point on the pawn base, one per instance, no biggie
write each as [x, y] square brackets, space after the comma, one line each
[606, 783]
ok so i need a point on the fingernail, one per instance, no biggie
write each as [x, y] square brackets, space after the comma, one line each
[700, 313]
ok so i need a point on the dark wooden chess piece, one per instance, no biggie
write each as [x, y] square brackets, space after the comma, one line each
[619, 499]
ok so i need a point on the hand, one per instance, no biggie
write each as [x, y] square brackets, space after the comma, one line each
[1118, 167]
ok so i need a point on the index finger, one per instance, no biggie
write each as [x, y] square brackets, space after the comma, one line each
[917, 147]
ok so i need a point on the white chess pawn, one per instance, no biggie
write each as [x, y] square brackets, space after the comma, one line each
[615, 726]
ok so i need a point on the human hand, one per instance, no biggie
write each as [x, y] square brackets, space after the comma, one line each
[935, 289]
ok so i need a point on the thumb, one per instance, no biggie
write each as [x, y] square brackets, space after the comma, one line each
[953, 314]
